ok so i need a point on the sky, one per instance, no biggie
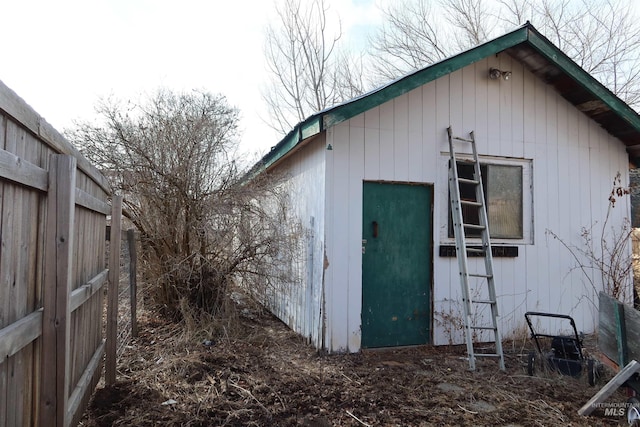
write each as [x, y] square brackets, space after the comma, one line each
[62, 56]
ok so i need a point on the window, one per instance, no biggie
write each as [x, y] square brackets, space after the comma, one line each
[503, 193]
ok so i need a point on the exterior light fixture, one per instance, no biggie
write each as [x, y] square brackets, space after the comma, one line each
[495, 74]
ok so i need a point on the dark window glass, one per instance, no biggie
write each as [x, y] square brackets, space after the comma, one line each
[502, 186]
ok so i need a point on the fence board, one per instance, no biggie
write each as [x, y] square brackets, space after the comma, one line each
[15, 107]
[19, 334]
[33, 200]
[45, 255]
[4, 297]
[20, 171]
[38, 254]
[24, 223]
[618, 330]
[86, 200]
[84, 383]
[8, 268]
[76, 349]
[98, 300]
[56, 325]
[114, 279]
[82, 294]
[133, 280]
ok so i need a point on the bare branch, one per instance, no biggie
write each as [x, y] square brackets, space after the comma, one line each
[602, 36]
[172, 156]
[305, 64]
[412, 37]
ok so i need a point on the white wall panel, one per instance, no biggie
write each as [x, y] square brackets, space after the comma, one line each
[481, 104]
[415, 136]
[354, 234]
[299, 304]
[504, 123]
[387, 149]
[331, 250]
[468, 108]
[401, 138]
[520, 109]
[340, 244]
[573, 165]
[372, 144]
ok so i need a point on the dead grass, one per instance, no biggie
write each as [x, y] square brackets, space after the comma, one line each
[265, 375]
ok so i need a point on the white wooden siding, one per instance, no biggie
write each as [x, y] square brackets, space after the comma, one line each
[300, 304]
[574, 162]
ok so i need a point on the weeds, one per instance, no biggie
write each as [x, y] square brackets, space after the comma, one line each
[607, 253]
[453, 324]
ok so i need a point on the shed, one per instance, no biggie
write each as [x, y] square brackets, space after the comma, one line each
[551, 139]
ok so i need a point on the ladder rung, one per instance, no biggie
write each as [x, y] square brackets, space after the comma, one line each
[468, 181]
[486, 355]
[466, 160]
[483, 301]
[488, 328]
[471, 203]
[474, 226]
[457, 138]
[484, 276]
[475, 250]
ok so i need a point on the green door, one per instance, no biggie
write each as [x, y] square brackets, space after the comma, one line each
[396, 264]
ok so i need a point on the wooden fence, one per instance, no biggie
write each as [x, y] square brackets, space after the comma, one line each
[54, 206]
[618, 330]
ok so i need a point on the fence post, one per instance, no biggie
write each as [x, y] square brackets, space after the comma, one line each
[133, 282]
[112, 294]
[58, 276]
[621, 333]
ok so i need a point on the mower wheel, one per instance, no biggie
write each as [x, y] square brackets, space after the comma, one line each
[531, 363]
[592, 373]
[633, 411]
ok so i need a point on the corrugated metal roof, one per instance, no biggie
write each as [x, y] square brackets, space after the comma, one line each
[526, 45]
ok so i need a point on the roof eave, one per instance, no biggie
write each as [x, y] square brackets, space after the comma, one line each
[584, 79]
[411, 81]
[525, 34]
[302, 131]
[334, 115]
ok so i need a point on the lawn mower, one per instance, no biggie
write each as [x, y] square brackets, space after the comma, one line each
[565, 355]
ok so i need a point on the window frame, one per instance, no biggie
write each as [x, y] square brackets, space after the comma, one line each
[527, 199]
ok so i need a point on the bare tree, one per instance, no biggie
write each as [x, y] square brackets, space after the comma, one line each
[412, 36]
[472, 20]
[173, 158]
[308, 73]
[349, 76]
[602, 36]
[516, 12]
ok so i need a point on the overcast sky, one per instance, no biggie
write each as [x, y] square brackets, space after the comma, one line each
[60, 56]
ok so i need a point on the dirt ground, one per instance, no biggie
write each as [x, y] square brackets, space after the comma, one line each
[270, 377]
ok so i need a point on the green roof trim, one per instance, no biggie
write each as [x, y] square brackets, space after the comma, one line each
[306, 129]
[586, 80]
[311, 128]
[524, 35]
[405, 84]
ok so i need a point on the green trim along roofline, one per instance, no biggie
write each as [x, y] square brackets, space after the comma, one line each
[524, 35]
[566, 64]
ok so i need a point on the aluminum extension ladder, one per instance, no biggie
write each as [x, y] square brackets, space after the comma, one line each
[463, 251]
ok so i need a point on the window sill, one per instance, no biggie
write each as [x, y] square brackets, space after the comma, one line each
[449, 251]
